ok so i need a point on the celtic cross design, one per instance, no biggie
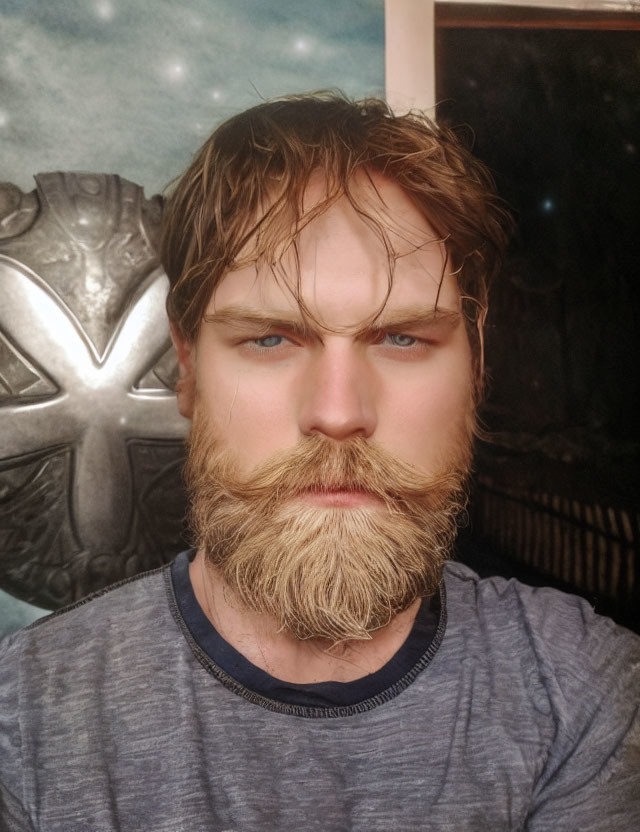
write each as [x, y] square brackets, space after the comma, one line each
[82, 448]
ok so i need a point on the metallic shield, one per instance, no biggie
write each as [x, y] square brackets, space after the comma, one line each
[91, 443]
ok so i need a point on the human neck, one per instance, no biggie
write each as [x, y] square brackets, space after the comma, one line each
[281, 654]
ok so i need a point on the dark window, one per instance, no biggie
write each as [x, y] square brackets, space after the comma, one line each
[552, 102]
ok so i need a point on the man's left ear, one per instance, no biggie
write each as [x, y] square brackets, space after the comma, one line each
[186, 386]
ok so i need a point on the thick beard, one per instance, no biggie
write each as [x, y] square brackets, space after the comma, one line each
[324, 572]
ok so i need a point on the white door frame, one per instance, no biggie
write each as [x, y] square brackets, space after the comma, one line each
[410, 72]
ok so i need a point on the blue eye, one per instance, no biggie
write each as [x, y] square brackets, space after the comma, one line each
[402, 340]
[262, 342]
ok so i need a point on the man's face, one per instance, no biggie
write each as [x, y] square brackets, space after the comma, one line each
[408, 393]
[402, 386]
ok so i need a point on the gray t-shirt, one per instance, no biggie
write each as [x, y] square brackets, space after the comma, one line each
[521, 714]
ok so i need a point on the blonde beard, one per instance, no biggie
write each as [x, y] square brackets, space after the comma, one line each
[324, 572]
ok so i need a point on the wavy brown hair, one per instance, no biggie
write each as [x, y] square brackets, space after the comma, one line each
[241, 199]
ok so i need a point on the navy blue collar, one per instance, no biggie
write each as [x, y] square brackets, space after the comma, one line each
[323, 694]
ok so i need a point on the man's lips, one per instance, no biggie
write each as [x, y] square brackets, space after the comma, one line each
[339, 498]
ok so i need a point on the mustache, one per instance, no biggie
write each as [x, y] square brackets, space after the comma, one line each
[320, 464]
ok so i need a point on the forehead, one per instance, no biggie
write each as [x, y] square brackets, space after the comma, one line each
[343, 260]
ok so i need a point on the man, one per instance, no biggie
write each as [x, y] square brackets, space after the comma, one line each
[318, 661]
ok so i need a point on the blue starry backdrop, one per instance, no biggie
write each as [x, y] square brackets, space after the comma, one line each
[135, 86]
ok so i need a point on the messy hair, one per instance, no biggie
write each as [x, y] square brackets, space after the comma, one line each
[242, 198]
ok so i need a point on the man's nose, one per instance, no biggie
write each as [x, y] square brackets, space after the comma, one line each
[338, 394]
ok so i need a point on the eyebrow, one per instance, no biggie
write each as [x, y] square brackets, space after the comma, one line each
[406, 318]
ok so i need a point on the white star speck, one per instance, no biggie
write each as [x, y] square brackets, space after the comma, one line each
[105, 10]
[175, 71]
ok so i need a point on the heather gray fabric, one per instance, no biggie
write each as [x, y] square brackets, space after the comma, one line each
[526, 718]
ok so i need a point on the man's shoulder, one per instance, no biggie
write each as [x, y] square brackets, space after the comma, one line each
[57, 674]
[104, 617]
[570, 675]
[559, 631]
[544, 608]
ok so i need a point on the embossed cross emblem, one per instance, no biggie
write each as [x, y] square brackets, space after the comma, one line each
[98, 405]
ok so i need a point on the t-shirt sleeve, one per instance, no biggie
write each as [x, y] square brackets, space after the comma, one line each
[13, 817]
[591, 779]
